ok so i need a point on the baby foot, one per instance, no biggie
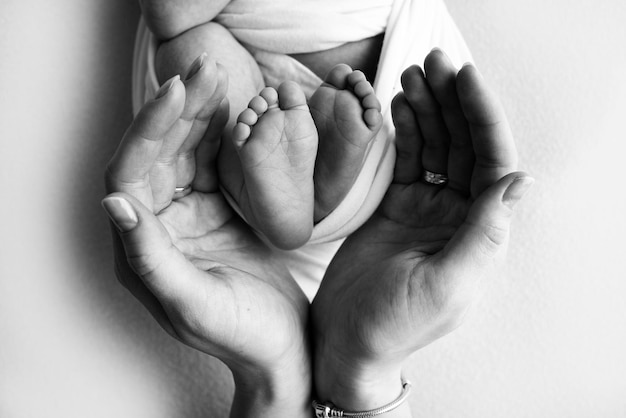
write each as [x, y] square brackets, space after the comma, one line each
[189, 148]
[347, 115]
[276, 140]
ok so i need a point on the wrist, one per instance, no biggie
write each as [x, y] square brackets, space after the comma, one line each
[396, 409]
[358, 385]
[279, 391]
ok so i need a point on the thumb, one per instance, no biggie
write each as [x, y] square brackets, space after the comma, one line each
[485, 232]
[150, 252]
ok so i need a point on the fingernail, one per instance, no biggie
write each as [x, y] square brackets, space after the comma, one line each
[196, 65]
[120, 212]
[516, 190]
[166, 87]
[436, 49]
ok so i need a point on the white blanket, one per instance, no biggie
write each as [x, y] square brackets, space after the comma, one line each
[271, 29]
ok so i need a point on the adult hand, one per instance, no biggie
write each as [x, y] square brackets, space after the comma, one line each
[200, 271]
[408, 276]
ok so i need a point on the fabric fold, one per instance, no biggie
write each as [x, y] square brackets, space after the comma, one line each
[271, 30]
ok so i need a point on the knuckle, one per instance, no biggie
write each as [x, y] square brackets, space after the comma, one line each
[145, 264]
[495, 235]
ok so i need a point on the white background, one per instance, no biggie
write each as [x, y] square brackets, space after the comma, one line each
[548, 339]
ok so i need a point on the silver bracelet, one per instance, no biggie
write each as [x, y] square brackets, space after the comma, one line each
[327, 409]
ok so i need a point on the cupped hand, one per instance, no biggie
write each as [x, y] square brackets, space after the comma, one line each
[201, 272]
[409, 275]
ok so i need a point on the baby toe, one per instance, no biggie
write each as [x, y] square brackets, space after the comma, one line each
[291, 95]
[270, 95]
[258, 104]
[372, 118]
[248, 116]
[363, 90]
[356, 77]
[338, 75]
[241, 133]
[371, 102]
[242, 130]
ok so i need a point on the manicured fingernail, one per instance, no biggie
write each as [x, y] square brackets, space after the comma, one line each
[516, 190]
[196, 65]
[166, 87]
[120, 212]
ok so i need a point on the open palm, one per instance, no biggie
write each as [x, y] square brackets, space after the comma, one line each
[408, 275]
[202, 273]
[223, 290]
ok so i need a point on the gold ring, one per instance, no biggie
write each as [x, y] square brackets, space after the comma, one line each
[435, 178]
[181, 191]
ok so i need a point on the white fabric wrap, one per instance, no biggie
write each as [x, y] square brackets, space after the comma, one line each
[273, 28]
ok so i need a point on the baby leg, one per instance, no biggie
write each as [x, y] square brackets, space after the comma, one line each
[169, 18]
[277, 144]
[347, 115]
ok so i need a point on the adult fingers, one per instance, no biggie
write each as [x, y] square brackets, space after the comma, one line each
[491, 135]
[206, 179]
[174, 281]
[207, 110]
[205, 87]
[483, 237]
[441, 76]
[408, 167]
[216, 116]
[128, 171]
[428, 112]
